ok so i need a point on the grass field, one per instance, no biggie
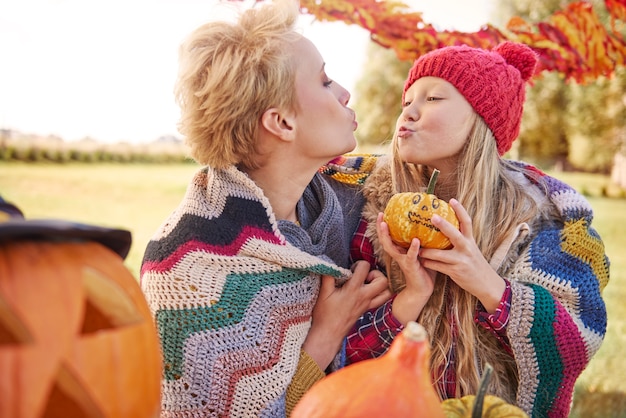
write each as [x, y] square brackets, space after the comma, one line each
[139, 197]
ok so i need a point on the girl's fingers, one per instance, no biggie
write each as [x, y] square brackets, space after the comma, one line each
[414, 249]
[461, 213]
[382, 229]
[449, 230]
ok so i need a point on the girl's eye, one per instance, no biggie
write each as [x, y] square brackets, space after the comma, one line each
[432, 98]
[406, 104]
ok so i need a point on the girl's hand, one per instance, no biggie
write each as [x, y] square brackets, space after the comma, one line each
[464, 263]
[420, 282]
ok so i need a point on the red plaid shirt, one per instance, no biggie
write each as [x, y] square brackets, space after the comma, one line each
[375, 330]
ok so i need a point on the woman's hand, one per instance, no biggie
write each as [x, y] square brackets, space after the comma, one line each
[420, 282]
[464, 263]
[338, 308]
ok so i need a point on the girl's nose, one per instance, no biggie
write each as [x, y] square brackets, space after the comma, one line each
[410, 112]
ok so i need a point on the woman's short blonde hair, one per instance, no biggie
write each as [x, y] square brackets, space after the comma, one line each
[229, 75]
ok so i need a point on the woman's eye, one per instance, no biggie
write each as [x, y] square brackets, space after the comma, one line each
[328, 83]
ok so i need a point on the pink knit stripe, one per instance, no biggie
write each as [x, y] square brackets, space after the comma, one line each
[231, 249]
[283, 317]
[571, 346]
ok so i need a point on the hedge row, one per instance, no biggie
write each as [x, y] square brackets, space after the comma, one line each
[36, 154]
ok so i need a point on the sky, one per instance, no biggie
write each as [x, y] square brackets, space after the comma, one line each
[105, 69]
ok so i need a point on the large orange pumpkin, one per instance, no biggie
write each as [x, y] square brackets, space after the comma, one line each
[394, 385]
[76, 334]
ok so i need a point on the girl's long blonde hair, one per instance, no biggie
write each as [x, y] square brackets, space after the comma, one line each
[496, 205]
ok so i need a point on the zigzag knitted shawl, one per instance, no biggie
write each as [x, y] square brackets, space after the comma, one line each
[232, 299]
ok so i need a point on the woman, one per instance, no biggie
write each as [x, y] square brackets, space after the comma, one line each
[521, 286]
[233, 275]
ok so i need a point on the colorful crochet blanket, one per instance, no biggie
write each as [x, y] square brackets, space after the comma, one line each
[558, 317]
[232, 300]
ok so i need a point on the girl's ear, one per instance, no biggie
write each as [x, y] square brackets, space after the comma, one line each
[279, 124]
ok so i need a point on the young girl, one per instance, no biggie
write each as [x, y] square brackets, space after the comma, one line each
[521, 286]
[233, 275]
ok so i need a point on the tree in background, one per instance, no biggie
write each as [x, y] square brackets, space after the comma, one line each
[568, 124]
[596, 117]
[543, 134]
[596, 124]
[378, 93]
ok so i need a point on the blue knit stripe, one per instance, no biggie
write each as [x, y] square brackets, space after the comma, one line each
[547, 248]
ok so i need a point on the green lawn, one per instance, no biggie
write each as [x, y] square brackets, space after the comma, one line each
[139, 197]
[135, 197]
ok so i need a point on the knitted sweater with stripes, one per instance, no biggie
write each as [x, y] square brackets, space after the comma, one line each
[232, 297]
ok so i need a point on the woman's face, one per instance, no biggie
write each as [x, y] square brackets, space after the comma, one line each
[325, 125]
[434, 124]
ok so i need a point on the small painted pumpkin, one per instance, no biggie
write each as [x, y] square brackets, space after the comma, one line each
[481, 405]
[76, 334]
[394, 385]
[493, 407]
[409, 215]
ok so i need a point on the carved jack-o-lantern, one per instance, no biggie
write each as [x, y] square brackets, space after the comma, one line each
[76, 335]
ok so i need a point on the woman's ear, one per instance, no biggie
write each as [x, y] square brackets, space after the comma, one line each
[279, 124]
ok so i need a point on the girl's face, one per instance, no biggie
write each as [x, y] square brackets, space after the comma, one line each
[325, 125]
[434, 124]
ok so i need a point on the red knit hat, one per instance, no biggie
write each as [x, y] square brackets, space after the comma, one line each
[493, 82]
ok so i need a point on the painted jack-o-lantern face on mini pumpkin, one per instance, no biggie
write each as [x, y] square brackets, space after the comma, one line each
[409, 215]
[76, 335]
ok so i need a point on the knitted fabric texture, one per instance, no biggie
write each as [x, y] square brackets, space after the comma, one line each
[232, 300]
[350, 168]
[493, 82]
[558, 318]
[321, 218]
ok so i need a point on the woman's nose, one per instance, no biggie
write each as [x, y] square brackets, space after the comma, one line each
[343, 94]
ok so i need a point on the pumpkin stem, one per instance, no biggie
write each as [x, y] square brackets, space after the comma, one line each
[415, 332]
[477, 411]
[432, 182]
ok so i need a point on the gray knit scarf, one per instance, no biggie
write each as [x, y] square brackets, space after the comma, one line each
[322, 228]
